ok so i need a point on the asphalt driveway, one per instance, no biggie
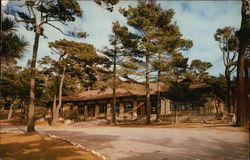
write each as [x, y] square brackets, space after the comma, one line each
[117, 143]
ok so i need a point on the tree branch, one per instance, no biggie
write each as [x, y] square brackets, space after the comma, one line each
[223, 53]
[57, 28]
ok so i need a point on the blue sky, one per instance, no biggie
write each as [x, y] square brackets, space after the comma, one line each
[197, 20]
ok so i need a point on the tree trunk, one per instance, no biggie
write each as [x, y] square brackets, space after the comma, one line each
[148, 105]
[242, 106]
[114, 106]
[229, 99]
[31, 114]
[10, 112]
[242, 93]
[158, 108]
[22, 114]
[57, 108]
[1, 76]
[175, 120]
[54, 111]
[114, 92]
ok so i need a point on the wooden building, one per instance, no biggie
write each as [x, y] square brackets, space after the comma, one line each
[131, 103]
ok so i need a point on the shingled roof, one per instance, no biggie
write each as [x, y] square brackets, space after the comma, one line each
[108, 93]
[98, 94]
[123, 92]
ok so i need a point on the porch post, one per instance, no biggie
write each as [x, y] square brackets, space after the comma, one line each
[108, 114]
[86, 112]
[163, 107]
[121, 110]
[134, 110]
[168, 107]
[97, 108]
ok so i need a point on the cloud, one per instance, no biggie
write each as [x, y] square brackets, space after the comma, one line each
[197, 20]
[4, 2]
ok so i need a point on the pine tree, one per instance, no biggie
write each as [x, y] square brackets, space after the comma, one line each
[76, 60]
[198, 70]
[38, 14]
[228, 43]
[120, 44]
[169, 42]
[157, 35]
[13, 46]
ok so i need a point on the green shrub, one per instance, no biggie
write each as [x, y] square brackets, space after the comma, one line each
[40, 112]
[72, 114]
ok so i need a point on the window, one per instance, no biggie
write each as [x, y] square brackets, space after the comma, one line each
[153, 106]
[117, 109]
[127, 107]
[175, 106]
[103, 108]
[81, 109]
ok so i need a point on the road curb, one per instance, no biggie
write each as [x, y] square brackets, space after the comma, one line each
[102, 157]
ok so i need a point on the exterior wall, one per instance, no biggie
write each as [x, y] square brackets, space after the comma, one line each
[93, 109]
[213, 106]
[97, 108]
[165, 106]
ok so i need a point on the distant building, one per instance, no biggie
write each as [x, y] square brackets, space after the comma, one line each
[131, 103]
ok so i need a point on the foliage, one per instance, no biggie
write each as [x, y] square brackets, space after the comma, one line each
[229, 44]
[40, 13]
[40, 112]
[76, 67]
[72, 114]
[79, 59]
[158, 38]
[181, 93]
[198, 70]
[178, 66]
[14, 88]
[121, 42]
[108, 3]
[13, 46]
[219, 84]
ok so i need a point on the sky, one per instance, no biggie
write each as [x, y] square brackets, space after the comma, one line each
[197, 21]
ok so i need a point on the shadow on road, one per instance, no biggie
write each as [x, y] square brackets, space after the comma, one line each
[194, 149]
[31, 147]
[98, 141]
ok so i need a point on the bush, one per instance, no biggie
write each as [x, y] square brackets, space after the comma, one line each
[40, 112]
[72, 114]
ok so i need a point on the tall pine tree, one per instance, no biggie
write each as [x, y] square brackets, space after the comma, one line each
[155, 34]
[38, 14]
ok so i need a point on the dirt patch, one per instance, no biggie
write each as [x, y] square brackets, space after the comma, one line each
[170, 125]
[40, 147]
[205, 126]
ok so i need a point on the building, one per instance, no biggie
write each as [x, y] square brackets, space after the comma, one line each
[131, 103]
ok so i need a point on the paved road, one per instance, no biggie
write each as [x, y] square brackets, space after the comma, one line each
[159, 143]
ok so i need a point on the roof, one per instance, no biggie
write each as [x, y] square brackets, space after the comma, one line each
[153, 87]
[98, 94]
[124, 92]
[199, 85]
[108, 93]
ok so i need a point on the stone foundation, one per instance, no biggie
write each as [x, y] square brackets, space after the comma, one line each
[192, 117]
